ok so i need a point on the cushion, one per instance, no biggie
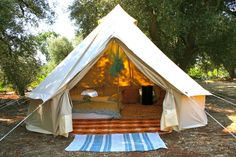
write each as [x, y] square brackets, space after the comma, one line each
[77, 97]
[130, 95]
[100, 98]
[86, 98]
[113, 98]
[80, 99]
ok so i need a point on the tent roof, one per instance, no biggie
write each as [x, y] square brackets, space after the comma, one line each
[118, 14]
[117, 24]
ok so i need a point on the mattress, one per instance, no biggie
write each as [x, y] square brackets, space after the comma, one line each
[97, 108]
[90, 116]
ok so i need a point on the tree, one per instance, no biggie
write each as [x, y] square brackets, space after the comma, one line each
[56, 48]
[59, 48]
[76, 41]
[182, 29]
[43, 40]
[225, 51]
[21, 72]
[18, 47]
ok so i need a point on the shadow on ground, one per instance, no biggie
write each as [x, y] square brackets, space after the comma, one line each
[211, 140]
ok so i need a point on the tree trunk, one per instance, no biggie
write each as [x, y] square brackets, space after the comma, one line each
[21, 91]
[154, 32]
[187, 58]
[232, 72]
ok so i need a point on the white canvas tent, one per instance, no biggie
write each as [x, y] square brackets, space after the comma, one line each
[184, 102]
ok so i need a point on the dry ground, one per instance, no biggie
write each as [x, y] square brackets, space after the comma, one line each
[210, 140]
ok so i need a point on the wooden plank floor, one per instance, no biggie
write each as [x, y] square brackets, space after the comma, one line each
[97, 126]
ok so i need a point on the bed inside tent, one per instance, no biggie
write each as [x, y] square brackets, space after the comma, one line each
[124, 94]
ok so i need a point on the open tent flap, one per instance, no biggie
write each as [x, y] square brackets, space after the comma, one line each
[40, 121]
[191, 111]
[135, 73]
[179, 111]
[54, 117]
[169, 118]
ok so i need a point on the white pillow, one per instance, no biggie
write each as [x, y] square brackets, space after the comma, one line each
[90, 92]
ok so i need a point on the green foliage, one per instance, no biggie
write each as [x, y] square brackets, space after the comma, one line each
[117, 65]
[200, 74]
[89, 13]
[1, 87]
[5, 87]
[182, 29]
[86, 13]
[42, 73]
[20, 72]
[222, 44]
[18, 47]
[56, 48]
[205, 69]
[3, 84]
[76, 41]
[43, 40]
[59, 48]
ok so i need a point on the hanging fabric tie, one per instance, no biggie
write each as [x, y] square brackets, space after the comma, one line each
[117, 65]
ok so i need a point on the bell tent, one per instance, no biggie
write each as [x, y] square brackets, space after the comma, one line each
[116, 41]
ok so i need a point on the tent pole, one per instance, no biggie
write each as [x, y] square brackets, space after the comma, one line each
[118, 88]
[130, 75]
[118, 91]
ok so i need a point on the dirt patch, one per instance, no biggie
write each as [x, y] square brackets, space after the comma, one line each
[210, 140]
[8, 95]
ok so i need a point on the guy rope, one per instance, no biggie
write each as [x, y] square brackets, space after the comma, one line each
[40, 105]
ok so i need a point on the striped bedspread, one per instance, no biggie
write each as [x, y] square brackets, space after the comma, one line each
[117, 142]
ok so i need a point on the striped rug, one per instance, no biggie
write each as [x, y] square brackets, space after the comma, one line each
[112, 126]
[117, 142]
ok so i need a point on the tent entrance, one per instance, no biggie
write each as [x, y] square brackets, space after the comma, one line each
[124, 89]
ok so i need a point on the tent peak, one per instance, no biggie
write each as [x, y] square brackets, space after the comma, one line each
[118, 14]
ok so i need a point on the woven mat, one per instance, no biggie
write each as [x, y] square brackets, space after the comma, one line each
[117, 142]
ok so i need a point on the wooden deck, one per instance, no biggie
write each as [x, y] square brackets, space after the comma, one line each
[112, 126]
[135, 118]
